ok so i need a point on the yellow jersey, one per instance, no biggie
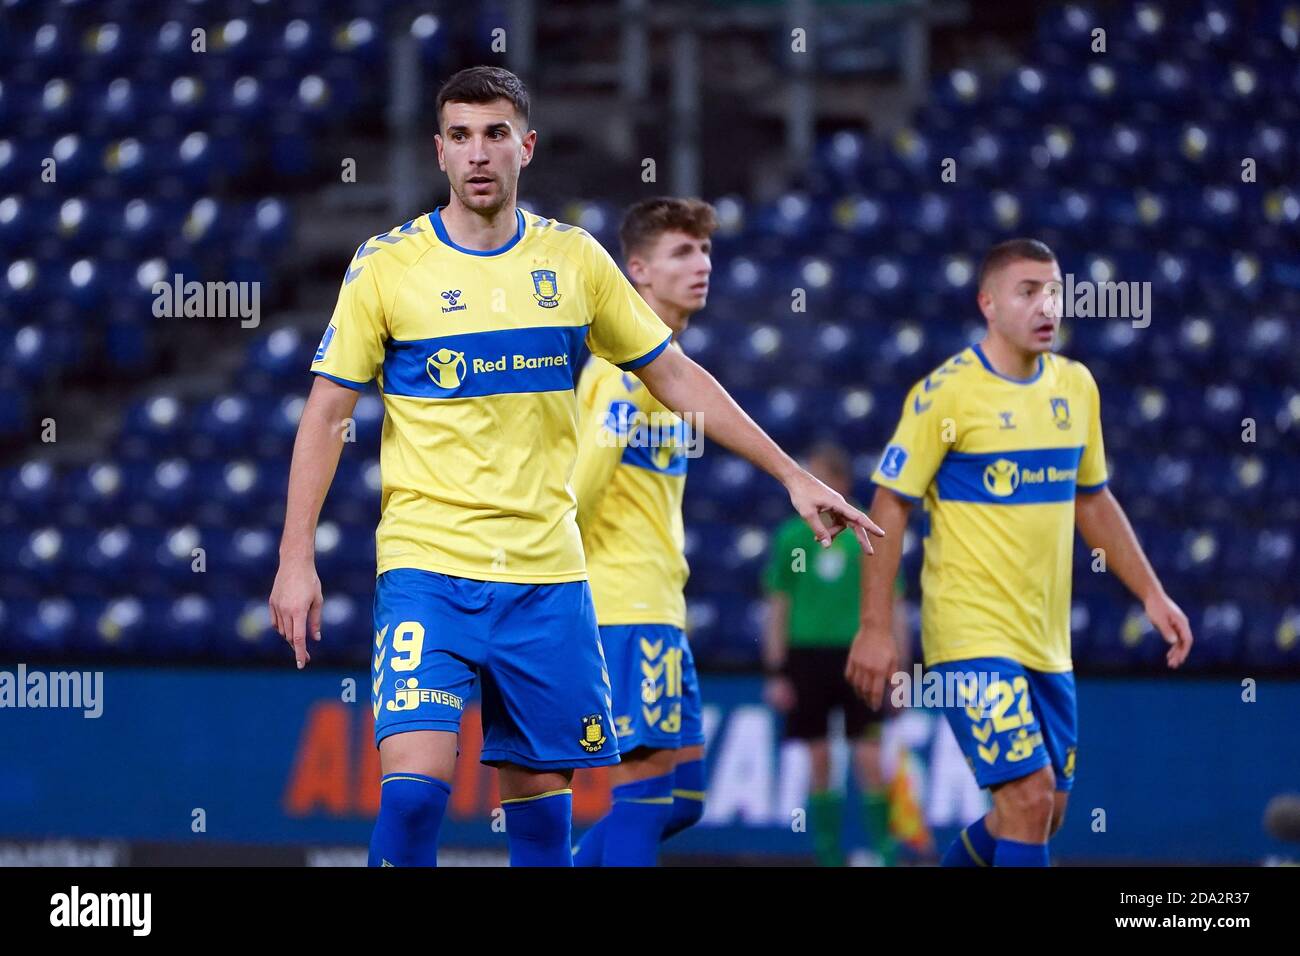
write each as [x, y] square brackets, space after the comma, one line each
[474, 354]
[629, 482]
[998, 462]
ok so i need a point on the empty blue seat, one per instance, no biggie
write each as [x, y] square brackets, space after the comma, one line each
[1128, 163]
[184, 629]
[114, 628]
[47, 627]
[1273, 638]
[115, 554]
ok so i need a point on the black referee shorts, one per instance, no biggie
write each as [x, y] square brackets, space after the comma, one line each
[817, 674]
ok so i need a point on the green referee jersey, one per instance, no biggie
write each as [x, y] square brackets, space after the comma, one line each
[822, 584]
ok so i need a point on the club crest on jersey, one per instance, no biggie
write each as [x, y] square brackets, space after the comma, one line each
[1061, 413]
[545, 289]
[446, 367]
[593, 733]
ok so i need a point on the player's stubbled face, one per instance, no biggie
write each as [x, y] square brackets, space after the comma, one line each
[482, 147]
[677, 268]
[1025, 306]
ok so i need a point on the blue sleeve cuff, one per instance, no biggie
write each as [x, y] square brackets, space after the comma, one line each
[346, 383]
[647, 358]
[1091, 489]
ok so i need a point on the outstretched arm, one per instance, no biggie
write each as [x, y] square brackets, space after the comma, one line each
[296, 596]
[1104, 525]
[686, 388]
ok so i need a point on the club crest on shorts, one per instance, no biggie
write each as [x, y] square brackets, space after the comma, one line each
[593, 733]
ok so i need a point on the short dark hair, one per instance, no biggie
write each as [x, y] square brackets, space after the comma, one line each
[1013, 250]
[483, 84]
[647, 220]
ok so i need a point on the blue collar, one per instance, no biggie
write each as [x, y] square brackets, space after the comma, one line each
[440, 231]
[984, 360]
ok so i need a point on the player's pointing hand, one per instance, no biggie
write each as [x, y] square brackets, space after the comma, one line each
[1169, 619]
[296, 601]
[827, 513]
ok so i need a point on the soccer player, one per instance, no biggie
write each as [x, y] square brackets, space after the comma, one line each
[1003, 441]
[629, 481]
[471, 317]
[812, 617]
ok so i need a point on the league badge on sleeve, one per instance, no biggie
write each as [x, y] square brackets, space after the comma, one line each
[892, 461]
[324, 344]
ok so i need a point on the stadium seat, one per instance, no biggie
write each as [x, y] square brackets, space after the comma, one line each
[1128, 163]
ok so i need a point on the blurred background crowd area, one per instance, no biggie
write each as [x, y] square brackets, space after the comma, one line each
[144, 459]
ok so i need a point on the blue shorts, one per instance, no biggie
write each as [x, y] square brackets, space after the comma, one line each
[1026, 720]
[535, 647]
[656, 689]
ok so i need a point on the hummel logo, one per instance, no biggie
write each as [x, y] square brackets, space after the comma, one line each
[451, 295]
